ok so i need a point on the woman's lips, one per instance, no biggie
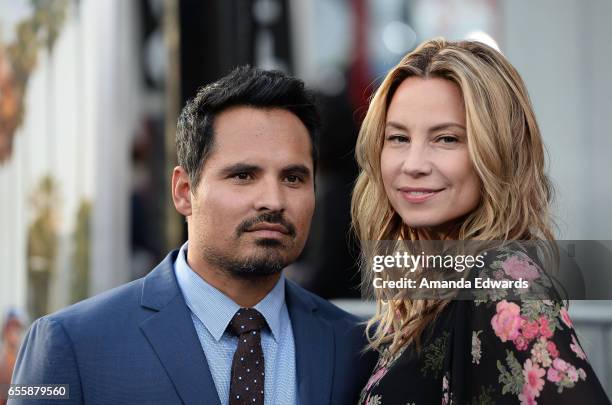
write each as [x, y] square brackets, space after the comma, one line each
[418, 195]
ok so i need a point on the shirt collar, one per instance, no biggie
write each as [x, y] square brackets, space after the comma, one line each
[215, 309]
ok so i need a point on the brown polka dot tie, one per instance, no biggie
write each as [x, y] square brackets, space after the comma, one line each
[247, 382]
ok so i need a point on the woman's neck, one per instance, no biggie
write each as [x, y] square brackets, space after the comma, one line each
[443, 232]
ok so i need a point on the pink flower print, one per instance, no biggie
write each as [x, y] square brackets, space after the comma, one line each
[498, 275]
[530, 329]
[517, 268]
[553, 375]
[582, 374]
[552, 349]
[507, 322]
[566, 318]
[375, 400]
[445, 390]
[527, 397]
[560, 365]
[521, 343]
[577, 349]
[380, 373]
[545, 327]
[572, 374]
[533, 377]
[539, 353]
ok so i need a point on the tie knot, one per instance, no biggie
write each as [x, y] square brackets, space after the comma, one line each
[246, 320]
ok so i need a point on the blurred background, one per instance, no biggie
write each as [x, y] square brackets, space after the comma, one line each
[90, 91]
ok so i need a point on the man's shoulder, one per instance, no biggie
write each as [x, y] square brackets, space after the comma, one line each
[324, 308]
[123, 303]
[118, 300]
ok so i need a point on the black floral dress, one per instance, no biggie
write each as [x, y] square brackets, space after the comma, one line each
[490, 351]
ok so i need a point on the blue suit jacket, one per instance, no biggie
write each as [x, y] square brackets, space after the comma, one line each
[137, 344]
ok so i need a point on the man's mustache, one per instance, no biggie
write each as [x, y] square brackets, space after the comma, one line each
[269, 217]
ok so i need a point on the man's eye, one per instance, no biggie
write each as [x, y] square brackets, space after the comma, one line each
[292, 178]
[242, 176]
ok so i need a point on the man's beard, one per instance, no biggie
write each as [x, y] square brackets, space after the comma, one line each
[265, 263]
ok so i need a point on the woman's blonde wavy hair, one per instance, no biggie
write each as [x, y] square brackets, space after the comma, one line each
[506, 150]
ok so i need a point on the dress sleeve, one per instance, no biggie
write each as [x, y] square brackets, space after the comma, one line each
[527, 352]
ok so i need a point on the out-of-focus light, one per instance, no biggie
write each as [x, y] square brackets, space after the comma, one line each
[155, 57]
[483, 37]
[330, 81]
[398, 37]
[267, 11]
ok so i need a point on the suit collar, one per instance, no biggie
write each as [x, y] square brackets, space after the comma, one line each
[314, 347]
[160, 286]
[171, 333]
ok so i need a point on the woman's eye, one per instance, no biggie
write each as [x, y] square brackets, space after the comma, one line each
[447, 139]
[398, 138]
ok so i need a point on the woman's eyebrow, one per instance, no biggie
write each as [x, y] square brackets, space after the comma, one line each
[396, 125]
[446, 125]
[437, 127]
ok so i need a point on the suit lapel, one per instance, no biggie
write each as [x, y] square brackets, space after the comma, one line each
[172, 335]
[314, 348]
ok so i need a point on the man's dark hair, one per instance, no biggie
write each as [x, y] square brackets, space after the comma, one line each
[244, 86]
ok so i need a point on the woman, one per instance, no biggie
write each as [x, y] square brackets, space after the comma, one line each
[450, 150]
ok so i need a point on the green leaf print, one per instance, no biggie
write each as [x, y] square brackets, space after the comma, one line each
[512, 380]
[433, 356]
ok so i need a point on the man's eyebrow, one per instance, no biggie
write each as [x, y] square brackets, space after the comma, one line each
[297, 169]
[239, 168]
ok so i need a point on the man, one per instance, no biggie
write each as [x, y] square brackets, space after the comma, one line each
[216, 322]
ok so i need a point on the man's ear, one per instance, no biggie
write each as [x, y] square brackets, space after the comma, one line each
[181, 191]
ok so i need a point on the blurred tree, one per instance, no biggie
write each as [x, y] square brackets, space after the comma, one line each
[42, 246]
[80, 258]
[18, 61]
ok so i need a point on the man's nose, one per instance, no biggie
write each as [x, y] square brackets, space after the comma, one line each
[271, 196]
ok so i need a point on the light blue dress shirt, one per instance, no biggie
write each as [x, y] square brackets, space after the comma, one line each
[212, 311]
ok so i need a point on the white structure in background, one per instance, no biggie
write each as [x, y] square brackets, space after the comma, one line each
[562, 50]
[82, 106]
